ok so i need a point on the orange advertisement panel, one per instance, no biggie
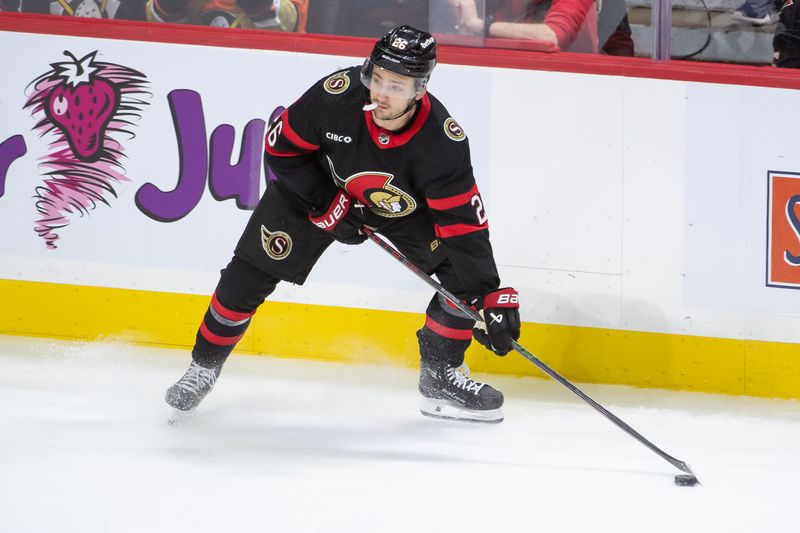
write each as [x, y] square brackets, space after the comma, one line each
[783, 232]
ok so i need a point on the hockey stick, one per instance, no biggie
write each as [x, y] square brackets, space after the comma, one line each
[684, 480]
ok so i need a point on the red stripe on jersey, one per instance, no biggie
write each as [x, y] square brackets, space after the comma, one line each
[400, 139]
[454, 230]
[217, 339]
[227, 313]
[450, 202]
[450, 333]
[293, 137]
[272, 151]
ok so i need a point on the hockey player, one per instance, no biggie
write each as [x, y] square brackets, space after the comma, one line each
[369, 146]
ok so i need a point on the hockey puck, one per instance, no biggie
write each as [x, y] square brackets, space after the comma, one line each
[686, 480]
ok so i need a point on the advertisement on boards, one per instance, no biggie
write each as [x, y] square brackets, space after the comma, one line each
[783, 230]
[742, 218]
[87, 111]
[133, 165]
[138, 164]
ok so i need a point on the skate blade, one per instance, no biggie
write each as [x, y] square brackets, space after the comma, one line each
[445, 410]
[178, 417]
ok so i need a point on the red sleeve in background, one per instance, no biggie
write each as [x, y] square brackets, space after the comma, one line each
[575, 24]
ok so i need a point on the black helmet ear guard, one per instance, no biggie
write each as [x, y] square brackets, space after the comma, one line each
[404, 50]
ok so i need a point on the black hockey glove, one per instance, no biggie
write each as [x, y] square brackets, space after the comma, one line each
[500, 310]
[339, 222]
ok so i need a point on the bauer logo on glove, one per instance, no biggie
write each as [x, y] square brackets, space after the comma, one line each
[500, 312]
[338, 220]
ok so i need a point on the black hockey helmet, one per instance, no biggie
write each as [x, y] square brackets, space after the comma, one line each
[404, 50]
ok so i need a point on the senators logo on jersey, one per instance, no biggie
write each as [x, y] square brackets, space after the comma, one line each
[374, 190]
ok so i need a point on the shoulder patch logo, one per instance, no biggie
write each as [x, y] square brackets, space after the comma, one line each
[337, 83]
[277, 244]
[453, 130]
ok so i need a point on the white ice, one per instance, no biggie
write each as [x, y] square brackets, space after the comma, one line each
[293, 446]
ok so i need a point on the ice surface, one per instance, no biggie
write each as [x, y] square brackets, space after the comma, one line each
[286, 445]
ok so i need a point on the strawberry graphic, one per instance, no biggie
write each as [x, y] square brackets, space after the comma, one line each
[82, 105]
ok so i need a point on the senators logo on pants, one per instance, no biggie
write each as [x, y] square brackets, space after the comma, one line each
[374, 190]
[277, 244]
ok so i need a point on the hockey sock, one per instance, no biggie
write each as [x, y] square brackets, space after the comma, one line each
[241, 289]
[219, 332]
[446, 335]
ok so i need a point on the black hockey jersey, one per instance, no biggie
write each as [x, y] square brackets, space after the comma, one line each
[418, 179]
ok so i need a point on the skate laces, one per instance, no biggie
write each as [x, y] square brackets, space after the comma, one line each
[197, 378]
[459, 378]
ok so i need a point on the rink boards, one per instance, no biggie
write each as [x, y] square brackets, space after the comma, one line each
[649, 218]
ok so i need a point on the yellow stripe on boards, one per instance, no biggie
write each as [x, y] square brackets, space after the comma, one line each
[583, 355]
[80, 312]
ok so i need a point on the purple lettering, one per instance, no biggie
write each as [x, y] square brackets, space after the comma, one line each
[190, 127]
[10, 150]
[241, 180]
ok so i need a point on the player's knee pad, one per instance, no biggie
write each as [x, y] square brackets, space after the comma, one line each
[243, 287]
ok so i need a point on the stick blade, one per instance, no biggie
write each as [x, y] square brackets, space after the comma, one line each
[686, 480]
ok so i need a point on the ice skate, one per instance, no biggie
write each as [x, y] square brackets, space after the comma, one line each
[450, 394]
[185, 395]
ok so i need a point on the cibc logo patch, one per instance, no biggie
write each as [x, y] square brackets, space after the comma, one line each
[277, 244]
[338, 83]
[783, 230]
